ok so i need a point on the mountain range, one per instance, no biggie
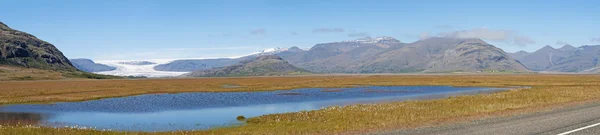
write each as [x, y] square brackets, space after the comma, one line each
[388, 55]
[373, 55]
[565, 59]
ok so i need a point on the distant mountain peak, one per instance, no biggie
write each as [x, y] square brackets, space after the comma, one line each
[567, 48]
[266, 65]
[522, 51]
[467, 54]
[565, 59]
[371, 40]
[519, 55]
[294, 49]
[472, 40]
[548, 47]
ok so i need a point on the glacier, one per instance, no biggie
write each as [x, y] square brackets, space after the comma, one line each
[132, 68]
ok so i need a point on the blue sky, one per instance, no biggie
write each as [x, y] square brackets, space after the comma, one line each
[153, 29]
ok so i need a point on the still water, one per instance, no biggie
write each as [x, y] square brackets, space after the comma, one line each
[203, 110]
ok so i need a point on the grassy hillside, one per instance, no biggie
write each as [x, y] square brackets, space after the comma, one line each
[267, 65]
[14, 73]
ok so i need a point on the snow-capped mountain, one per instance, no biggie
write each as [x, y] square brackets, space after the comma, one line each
[269, 51]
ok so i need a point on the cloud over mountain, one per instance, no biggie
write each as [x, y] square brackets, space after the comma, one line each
[492, 35]
[424, 35]
[561, 43]
[596, 39]
[358, 34]
[523, 41]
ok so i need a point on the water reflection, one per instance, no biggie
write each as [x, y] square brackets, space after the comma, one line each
[16, 118]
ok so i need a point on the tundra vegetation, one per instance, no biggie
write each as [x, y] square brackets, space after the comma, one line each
[546, 92]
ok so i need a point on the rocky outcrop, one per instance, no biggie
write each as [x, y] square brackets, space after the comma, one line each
[25, 50]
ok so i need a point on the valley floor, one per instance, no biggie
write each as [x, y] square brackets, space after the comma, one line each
[20, 73]
[15, 73]
[546, 92]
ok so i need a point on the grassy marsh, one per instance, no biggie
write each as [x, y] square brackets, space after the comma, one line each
[547, 90]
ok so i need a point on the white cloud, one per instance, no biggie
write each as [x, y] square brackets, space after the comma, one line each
[507, 36]
[260, 31]
[358, 34]
[328, 30]
[523, 41]
[483, 33]
[596, 39]
[424, 35]
[561, 43]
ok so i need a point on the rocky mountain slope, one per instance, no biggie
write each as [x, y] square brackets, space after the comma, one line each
[564, 59]
[88, 65]
[474, 55]
[519, 55]
[25, 50]
[388, 55]
[341, 57]
[266, 65]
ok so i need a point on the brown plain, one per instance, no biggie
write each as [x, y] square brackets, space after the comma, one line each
[546, 91]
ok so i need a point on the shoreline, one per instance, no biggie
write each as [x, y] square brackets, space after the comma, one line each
[546, 90]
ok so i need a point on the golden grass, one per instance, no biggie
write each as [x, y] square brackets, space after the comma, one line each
[14, 73]
[19, 73]
[546, 90]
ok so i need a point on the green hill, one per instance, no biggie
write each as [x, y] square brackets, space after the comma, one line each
[267, 65]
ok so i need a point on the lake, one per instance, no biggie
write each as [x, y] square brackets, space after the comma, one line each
[204, 110]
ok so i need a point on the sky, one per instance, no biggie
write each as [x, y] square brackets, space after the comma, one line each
[161, 29]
